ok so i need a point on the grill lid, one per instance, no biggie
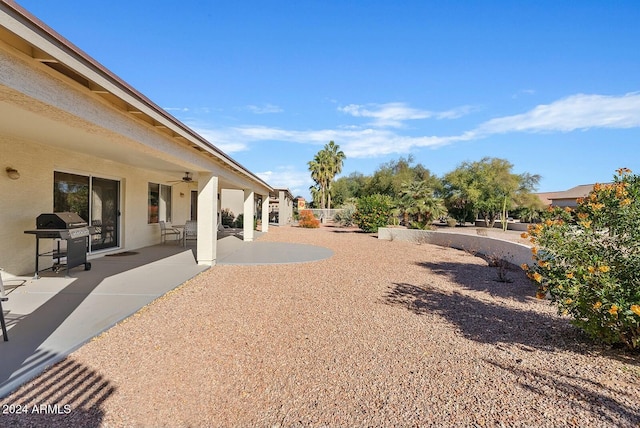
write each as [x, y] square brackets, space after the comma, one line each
[65, 220]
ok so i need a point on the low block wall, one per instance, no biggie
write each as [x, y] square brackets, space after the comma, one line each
[510, 251]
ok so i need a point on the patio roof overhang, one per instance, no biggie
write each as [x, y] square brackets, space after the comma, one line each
[24, 115]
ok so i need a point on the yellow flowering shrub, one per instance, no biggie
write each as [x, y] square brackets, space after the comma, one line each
[587, 260]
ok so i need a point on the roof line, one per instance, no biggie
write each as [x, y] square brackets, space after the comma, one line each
[38, 26]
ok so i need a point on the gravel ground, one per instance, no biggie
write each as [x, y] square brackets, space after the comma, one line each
[381, 334]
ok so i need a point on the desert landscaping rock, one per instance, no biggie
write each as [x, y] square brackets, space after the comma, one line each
[380, 334]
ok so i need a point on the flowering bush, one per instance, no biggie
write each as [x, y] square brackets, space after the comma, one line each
[307, 219]
[373, 212]
[587, 260]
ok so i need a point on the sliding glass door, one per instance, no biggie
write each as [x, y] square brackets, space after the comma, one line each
[105, 197]
[96, 200]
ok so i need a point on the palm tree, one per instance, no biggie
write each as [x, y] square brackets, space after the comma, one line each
[336, 158]
[319, 173]
[326, 164]
[315, 194]
[417, 199]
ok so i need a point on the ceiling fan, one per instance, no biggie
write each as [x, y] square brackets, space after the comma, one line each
[186, 179]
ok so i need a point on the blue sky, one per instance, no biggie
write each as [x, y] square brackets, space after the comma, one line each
[551, 86]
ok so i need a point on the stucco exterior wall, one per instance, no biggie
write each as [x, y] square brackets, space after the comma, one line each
[233, 200]
[50, 122]
[32, 194]
[510, 251]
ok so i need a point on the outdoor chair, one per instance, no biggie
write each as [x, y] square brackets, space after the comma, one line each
[3, 298]
[190, 232]
[166, 230]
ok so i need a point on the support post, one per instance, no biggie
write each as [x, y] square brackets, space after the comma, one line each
[249, 208]
[207, 219]
[265, 213]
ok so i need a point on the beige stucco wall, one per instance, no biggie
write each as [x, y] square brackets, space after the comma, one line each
[233, 200]
[49, 122]
[32, 194]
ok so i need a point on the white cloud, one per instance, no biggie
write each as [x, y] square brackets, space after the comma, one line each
[523, 92]
[455, 113]
[288, 177]
[222, 139]
[392, 115]
[577, 112]
[357, 143]
[386, 115]
[265, 109]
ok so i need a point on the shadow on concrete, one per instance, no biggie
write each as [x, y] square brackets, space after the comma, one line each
[68, 394]
[52, 316]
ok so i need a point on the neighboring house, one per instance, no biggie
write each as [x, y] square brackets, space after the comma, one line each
[281, 207]
[568, 198]
[83, 140]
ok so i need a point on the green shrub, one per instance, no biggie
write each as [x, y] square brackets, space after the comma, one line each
[373, 212]
[239, 222]
[588, 261]
[345, 217]
[227, 217]
[308, 220]
[420, 225]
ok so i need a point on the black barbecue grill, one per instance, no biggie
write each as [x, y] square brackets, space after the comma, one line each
[65, 228]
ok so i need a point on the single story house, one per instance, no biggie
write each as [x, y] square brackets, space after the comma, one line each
[281, 207]
[567, 198]
[74, 137]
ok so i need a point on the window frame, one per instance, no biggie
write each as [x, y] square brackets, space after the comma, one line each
[159, 203]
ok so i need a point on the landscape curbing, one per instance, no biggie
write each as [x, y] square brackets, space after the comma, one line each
[512, 252]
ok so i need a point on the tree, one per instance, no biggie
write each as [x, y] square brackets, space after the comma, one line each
[528, 207]
[488, 187]
[319, 173]
[348, 188]
[417, 199]
[335, 158]
[324, 167]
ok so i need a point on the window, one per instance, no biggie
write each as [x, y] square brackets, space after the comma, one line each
[159, 203]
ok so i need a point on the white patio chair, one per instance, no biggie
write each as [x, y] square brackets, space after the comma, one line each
[166, 230]
[190, 232]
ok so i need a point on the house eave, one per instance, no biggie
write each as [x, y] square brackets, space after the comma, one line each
[43, 44]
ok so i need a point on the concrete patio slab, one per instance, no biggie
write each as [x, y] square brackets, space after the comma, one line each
[50, 317]
[259, 253]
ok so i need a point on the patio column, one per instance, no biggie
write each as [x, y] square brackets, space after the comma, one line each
[247, 221]
[207, 219]
[282, 208]
[265, 213]
[289, 210]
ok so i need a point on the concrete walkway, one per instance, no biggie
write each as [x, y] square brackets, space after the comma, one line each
[233, 251]
[50, 317]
